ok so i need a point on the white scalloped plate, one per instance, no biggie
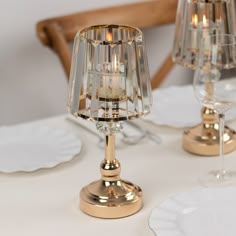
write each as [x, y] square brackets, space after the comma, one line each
[31, 147]
[204, 212]
[177, 106]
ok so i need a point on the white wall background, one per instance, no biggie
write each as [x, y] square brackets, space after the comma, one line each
[32, 81]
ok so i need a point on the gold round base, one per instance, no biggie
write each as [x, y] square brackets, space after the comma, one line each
[205, 141]
[106, 199]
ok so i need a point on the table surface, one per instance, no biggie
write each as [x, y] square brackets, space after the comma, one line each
[45, 202]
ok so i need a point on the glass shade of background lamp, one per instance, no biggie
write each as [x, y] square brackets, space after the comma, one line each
[110, 83]
[196, 19]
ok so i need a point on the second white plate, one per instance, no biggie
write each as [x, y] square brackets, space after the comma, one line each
[177, 106]
[205, 212]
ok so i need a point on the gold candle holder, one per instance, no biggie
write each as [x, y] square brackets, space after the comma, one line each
[110, 83]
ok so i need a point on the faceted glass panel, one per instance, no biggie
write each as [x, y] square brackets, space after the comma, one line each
[109, 78]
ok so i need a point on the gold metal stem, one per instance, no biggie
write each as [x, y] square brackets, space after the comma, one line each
[110, 167]
[110, 147]
[110, 197]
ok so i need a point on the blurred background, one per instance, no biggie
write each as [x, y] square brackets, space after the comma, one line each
[33, 83]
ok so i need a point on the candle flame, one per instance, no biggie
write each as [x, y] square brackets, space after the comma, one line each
[204, 20]
[109, 36]
[195, 20]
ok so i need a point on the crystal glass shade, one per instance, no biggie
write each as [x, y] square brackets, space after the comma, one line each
[109, 78]
[196, 19]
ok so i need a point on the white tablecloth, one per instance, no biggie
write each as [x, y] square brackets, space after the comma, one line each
[45, 202]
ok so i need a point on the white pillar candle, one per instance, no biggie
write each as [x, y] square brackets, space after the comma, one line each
[115, 77]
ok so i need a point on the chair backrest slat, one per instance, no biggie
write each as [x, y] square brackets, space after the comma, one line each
[58, 31]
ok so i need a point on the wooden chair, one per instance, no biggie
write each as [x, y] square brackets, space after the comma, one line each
[57, 32]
